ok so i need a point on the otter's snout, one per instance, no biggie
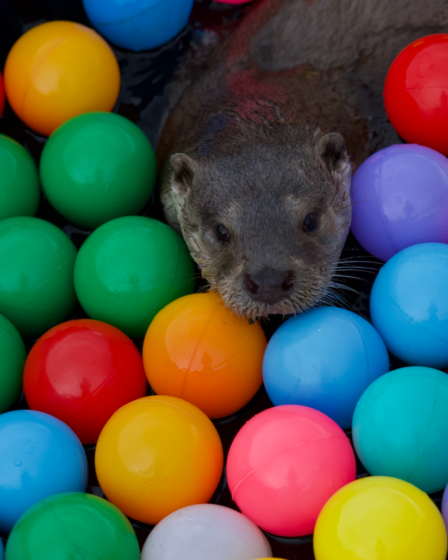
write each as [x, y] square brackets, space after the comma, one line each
[269, 285]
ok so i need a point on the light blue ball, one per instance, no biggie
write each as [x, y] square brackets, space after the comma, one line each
[39, 456]
[400, 427]
[324, 358]
[138, 24]
[409, 305]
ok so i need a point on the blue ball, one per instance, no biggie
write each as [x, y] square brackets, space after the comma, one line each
[138, 24]
[400, 427]
[2, 550]
[39, 456]
[324, 358]
[409, 305]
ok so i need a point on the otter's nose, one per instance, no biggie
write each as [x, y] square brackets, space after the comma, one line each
[270, 285]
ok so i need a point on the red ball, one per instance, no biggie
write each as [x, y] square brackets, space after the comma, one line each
[416, 92]
[2, 94]
[82, 372]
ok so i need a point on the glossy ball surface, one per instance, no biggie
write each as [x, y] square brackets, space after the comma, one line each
[284, 464]
[97, 167]
[205, 531]
[324, 358]
[58, 70]
[409, 305]
[73, 525]
[156, 455]
[400, 427]
[40, 456]
[416, 92]
[19, 187]
[36, 276]
[198, 350]
[81, 372]
[400, 198]
[138, 24]
[380, 517]
[12, 360]
[130, 268]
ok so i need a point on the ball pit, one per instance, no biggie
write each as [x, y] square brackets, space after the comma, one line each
[415, 92]
[198, 350]
[19, 188]
[73, 525]
[12, 359]
[415, 329]
[400, 427]
[97, 167]
[57, 70]
[138, 24]
[36, 276]
[32, 444]
[324, 358]
[400, 198]
[380, 517]
[284, 464]
[156, 455]
[81, 372]
[129, 269]
[205, 531]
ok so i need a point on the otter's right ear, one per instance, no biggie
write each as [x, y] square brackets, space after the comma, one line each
[183, 172]
[333, 153]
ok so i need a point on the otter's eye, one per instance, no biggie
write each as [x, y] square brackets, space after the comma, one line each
[309, 223]
[222, 235]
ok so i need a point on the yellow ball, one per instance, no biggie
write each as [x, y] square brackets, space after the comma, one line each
[156, 455]
[380, 518]
[58, 70]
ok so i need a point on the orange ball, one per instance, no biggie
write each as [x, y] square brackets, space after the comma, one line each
[198, 350]
[156, 455]
[58, 70]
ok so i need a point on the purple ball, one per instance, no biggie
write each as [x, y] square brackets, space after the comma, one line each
[400, 198]
[445, 507]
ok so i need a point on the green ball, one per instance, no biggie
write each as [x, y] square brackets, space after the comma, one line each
[19, 184]
[97, 167]
[129, 269]
[36, 274]
[73, 526]
[12, 360]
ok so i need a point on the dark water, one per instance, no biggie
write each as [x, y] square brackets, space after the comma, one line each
[146, 81]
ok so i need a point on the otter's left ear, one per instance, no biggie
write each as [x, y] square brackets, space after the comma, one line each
[333, 152]
[183, 171]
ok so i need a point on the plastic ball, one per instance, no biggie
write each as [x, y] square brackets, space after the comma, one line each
[138, 24]
[73, 526]
[409, 305]
[81, 372]
[324, 358]
[12, 359]
[36, 276]
[129, 269]
[416, 90]
[2, 550]
[156, 455]
[2, 104]
[198, 350]
[284, 464]
[380, 517]
[400, 427]
[400, 198]
[19, 188]
[58, 70]
[205, 532]
[39, 456]
[445, 507]
[97, 167]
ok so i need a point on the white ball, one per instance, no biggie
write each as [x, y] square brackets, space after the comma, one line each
[206, 532]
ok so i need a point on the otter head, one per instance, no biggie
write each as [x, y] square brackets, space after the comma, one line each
[267, 223]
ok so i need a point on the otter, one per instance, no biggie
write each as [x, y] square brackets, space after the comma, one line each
[258, 153]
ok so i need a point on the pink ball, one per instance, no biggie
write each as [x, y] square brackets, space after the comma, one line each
[284, 464]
